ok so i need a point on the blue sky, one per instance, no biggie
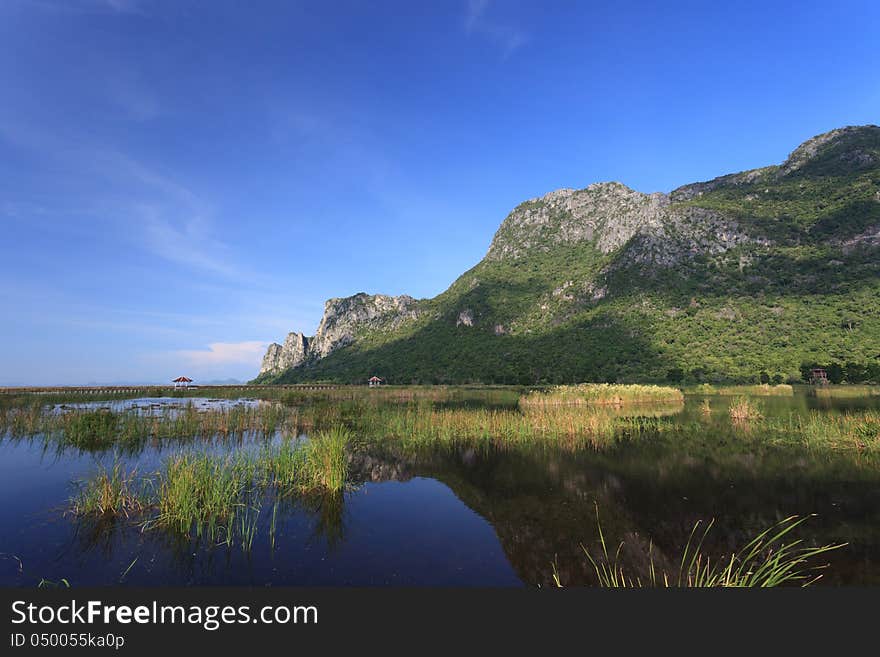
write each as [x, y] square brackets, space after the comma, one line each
[182, 183]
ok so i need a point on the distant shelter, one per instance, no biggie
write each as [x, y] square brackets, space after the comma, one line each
[374, 381]
[818, 376]
[182, 382]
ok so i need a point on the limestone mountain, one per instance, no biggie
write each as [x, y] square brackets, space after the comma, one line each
[744, 277]
[343, 320]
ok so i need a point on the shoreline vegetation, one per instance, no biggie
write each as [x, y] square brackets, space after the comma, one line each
[300, 449]
[594, 415]
[769, 559]
[601, 394]
[762, 390]
[217, 497]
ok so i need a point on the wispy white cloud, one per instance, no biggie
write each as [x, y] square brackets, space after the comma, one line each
[479, 21]
[88, 6]
[187, 241]
[173, 222]
[224, 353]
[152, 210]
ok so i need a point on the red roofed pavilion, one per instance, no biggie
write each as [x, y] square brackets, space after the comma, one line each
[182, 381]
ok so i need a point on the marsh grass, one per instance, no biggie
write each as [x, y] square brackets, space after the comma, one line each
[99, 429]
[569, 427]
[202, 493]
[822, 431]
[220, 498]
[744, 410]
[493, 395]
[325, 462]
[845, 391]
[536, 420]
[601, 394]
[110, 494]
[762, 390]
[767, 560]
[90, 429]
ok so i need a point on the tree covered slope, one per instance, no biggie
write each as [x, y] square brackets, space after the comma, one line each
[747, 276]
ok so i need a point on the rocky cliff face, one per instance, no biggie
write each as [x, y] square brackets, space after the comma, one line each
[293, 353]
[345, 318]
[643, 228]
[343, 321]
[605, 214]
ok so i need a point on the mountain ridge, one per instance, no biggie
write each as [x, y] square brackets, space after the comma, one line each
[600, 283]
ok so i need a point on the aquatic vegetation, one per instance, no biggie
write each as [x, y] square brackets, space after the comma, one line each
[495, 395]
[765, 561]
[568, 427]
[108, 494]
[845, 391]
[98, 429]
[290, 395]
[536, 420]
[601, 393]
[860, 431]
[325, 459]
[316, 465]
[744, 410]
[764, 389]
[90, 429]
[248, 491]
[706, 407]
[202, 492]
[219, 497]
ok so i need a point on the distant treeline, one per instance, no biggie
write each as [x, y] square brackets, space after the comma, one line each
[850, 372]
[846, 372]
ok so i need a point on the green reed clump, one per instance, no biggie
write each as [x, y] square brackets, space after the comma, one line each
[565, 426]
[25, 420]
[600, 394]
[202, 491]
[220, 497]
[859, 430]
[281, 466]
[318, 465]
[845, 391]
[90, 429]
[325, 461]
[110, 493]
[216, 496]
[765, 561]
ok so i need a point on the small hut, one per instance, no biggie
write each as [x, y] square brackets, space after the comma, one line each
[374, 381]
[818, 376]
[182, 382]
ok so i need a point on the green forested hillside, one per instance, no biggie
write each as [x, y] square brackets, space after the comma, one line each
[747, 277]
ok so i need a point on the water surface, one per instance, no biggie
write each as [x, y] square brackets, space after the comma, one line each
[485, 515]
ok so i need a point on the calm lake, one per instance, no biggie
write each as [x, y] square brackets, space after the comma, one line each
[461, 515]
